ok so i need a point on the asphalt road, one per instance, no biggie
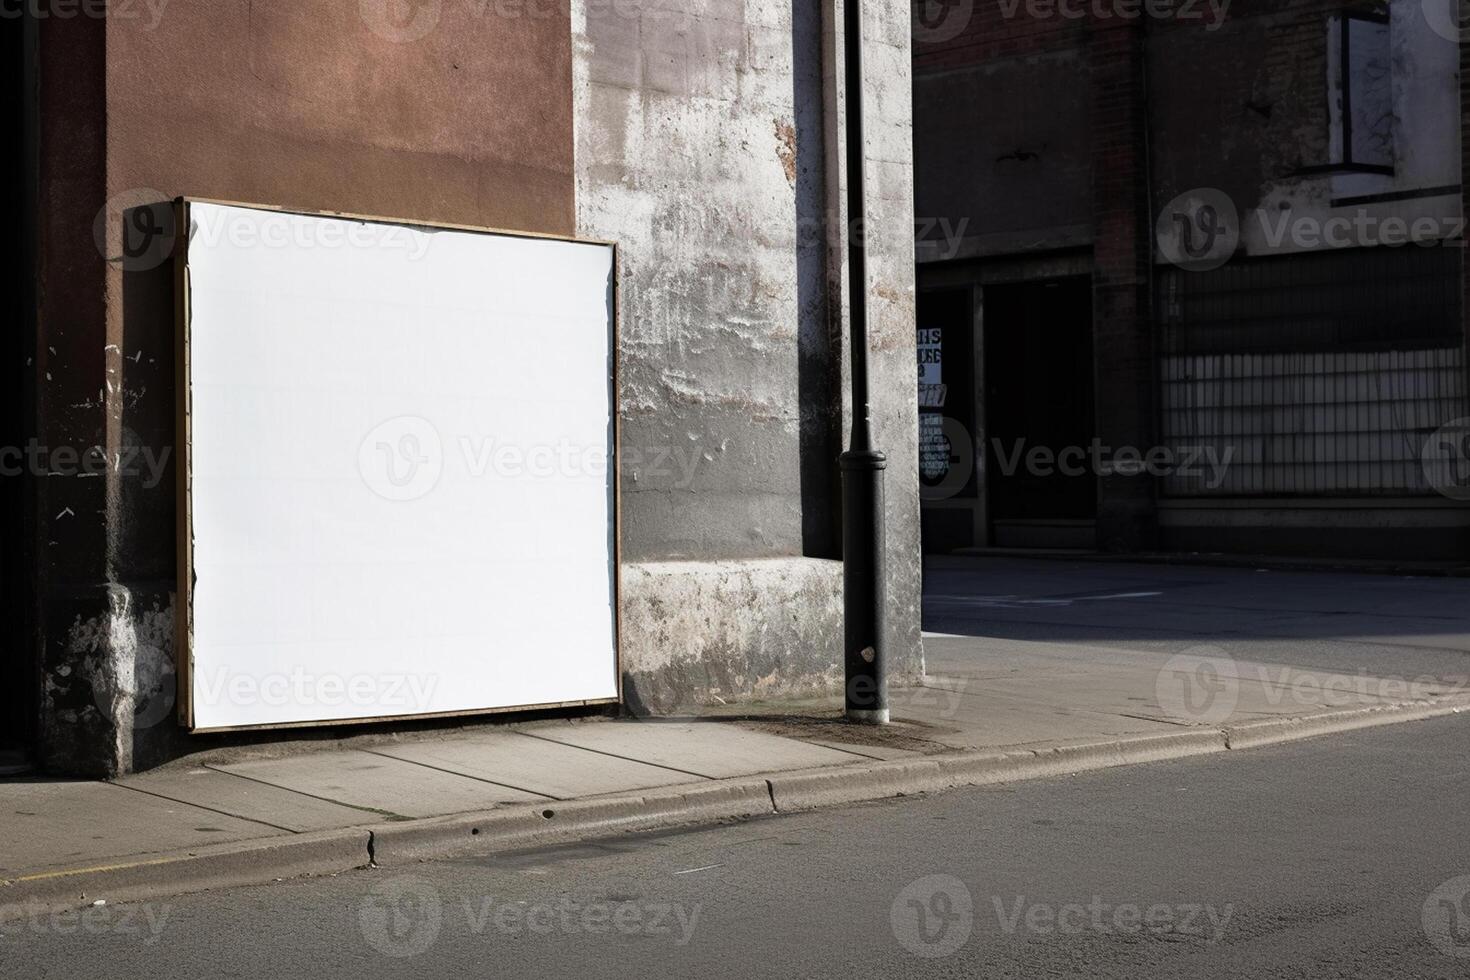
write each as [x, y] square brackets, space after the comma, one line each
[1389, 626]
[1332, 858]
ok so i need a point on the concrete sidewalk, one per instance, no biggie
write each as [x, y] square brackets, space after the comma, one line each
[1023, 710]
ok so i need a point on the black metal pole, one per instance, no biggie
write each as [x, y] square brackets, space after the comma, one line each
[864, 583]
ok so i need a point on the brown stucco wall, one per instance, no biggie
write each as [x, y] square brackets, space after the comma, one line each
[314, 105]
[462, 112]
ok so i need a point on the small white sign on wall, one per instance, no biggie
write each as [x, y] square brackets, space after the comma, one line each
[390, 509]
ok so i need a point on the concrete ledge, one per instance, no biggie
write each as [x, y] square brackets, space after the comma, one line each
[706, 632]
[1275, 730]
[252, 862]
[532, 825]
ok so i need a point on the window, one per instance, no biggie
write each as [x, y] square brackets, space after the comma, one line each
[1360, 93]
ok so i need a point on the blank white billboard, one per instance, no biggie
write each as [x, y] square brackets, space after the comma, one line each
[398, 492]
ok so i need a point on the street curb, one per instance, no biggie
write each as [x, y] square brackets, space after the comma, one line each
[250, 862]
[1272, 731]
[814, 789]
[518, 826]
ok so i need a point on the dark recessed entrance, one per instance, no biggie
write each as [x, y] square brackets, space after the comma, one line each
[1038, 407]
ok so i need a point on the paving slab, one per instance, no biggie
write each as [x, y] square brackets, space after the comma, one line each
[983, 657]
[1106, 680]
[713, 749]
[995, 721]
[390, 787]
[882, 753]
[537, 765]
[47, 824]
[247, 798]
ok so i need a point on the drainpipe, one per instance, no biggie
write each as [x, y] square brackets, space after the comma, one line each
[864, 583]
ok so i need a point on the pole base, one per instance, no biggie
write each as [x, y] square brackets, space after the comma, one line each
[865, 716]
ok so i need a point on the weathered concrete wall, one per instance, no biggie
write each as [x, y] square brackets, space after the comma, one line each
[686, 158]
[696, 129]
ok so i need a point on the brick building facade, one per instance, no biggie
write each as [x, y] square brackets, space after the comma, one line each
[1227, 235]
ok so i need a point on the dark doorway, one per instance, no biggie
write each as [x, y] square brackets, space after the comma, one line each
[1042, 486]
[18, 674]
